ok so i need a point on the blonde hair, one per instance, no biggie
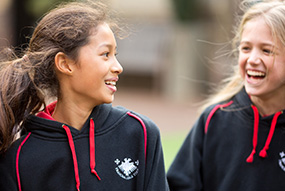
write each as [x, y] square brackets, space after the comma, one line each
[273, 13]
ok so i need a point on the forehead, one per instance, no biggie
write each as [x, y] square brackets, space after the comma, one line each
[101, 29]
[101, 34]
[258, 31]
[257, 28]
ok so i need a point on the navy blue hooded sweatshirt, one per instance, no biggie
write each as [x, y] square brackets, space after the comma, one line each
[115, 150]
[232, 148]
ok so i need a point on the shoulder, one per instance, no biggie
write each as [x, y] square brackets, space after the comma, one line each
[12, 151]
[213, 111]
[137, 119]
[16, 145]
[144, 121]
[8, 158]
[239, 100]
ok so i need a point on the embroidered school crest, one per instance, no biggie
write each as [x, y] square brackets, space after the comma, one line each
[282, 160]
[127, 169]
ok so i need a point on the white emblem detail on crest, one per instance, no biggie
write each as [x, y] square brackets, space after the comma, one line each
[282, 160]
[127, 169]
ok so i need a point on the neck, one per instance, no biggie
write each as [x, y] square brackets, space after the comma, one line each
[71, 114]
[269, 106]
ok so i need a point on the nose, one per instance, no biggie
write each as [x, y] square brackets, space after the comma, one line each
[117, 67]
[254, 57]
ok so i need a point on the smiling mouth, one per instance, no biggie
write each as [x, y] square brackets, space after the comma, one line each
[111, 83]
[255, 74]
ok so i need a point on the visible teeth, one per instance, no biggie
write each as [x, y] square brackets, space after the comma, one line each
[255, 73]
[112, 83]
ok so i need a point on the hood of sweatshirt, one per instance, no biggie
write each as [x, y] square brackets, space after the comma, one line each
[243, 103]
[248, 111]
[45, 126]
[243, 99]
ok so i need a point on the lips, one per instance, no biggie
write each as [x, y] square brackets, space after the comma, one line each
[111, 84]
[255, 74]
[255, 77]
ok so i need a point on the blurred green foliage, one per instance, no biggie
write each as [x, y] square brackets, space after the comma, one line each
[171, 143]
[190, 10]
[38, 7]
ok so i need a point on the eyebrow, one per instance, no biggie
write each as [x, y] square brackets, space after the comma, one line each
[107, 45]
[263, 44]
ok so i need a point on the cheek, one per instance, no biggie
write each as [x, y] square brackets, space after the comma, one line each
[279, 71]
[241, 65]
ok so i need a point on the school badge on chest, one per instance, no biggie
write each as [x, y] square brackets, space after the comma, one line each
[282, 160]
[127, 169]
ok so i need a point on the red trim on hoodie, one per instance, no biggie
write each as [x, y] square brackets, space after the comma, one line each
[48, 111]
[47, 114]
[213, 112]
[144, 130]
[17, 161]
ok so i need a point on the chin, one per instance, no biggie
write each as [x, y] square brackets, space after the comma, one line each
[251, 92]
[255, 93]
[110, 100]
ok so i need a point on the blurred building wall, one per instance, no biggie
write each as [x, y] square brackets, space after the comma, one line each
[6, 23]
[176, 55]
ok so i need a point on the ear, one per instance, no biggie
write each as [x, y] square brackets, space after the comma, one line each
[63, 64]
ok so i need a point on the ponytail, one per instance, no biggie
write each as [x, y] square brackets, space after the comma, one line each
[19, 97]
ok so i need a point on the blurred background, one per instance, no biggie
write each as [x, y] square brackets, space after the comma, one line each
[175, 52]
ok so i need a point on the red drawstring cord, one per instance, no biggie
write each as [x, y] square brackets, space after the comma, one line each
[92, 152]
[263, 152]
[255, 134]
[92, 149]
[72, 148]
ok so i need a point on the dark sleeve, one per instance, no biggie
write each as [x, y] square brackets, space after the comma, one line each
[8, 180]
[185, 173]
[155, 179]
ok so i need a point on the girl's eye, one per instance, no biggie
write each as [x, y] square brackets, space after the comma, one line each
[106, 54]
[244, 48]
[268, 51]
